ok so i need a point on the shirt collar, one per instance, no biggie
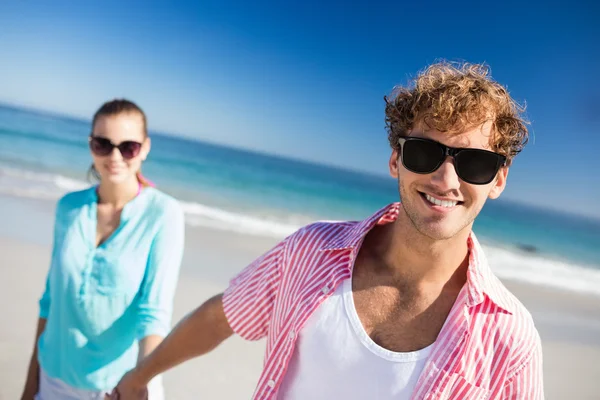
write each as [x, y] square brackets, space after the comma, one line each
[481, 282]
[129, 209]
[351, 237]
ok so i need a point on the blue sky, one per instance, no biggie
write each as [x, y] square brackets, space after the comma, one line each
[307, 80]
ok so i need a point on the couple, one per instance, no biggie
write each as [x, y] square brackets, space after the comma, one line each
[401, 305]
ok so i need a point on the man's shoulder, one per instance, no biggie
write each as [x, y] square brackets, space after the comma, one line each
[508, 317]
[338, 235]
[321, 235]
[513, 323]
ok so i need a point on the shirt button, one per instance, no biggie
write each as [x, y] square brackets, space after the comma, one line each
[292, 335]
[325, 290]
[271, 384]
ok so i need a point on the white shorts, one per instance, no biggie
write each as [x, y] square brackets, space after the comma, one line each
[55, 389]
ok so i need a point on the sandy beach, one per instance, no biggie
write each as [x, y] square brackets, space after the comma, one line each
[569, 324]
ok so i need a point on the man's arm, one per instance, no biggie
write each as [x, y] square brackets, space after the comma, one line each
[198, 333]
[147, 345]
[244, 308]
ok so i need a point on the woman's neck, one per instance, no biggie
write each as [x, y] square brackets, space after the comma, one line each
[118, 194]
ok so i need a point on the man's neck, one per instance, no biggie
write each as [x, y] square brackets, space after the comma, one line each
[411, 256]
[117, 195]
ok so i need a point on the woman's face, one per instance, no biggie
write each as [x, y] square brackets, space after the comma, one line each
[125, 131]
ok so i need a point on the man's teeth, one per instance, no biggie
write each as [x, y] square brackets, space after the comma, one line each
[437, 202]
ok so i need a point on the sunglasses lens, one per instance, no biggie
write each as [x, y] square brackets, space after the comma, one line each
[422, 156]
[100, 146]
[129, 149]
[477, 166]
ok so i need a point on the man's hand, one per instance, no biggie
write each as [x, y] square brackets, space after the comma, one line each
[130, 387]
[198, 333]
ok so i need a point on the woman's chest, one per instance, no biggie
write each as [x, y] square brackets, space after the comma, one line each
[116, 266]
[107, 224]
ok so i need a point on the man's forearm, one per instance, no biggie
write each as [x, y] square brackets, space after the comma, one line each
[198, 333]
[147, 345]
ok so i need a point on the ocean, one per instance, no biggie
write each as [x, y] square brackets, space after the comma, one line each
[43, 156]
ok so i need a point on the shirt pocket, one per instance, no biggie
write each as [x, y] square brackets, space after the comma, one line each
[117, 273]
[459, 388]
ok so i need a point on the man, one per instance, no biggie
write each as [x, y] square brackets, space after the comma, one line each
[402, 305]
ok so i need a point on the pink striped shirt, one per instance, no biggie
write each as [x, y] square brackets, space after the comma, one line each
[487, 349]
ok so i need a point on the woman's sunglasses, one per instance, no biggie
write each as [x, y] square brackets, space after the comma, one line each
[104, 147]
[475, 166]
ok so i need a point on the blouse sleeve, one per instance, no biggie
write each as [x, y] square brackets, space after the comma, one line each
[162, 273]
[45, 301]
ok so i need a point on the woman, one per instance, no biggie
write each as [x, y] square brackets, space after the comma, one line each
[115, 265]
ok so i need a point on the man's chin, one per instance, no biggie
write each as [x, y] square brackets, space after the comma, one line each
[437, 235]
[438, 230]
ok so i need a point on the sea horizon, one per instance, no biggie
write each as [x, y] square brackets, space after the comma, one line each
[44, 155]
[189, 138]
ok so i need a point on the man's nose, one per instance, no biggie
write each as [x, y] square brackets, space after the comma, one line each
[445, 177]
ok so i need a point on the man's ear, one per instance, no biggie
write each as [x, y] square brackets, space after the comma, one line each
[394, 164]
[499, 183]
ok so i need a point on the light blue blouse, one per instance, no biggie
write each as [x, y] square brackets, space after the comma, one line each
[100, 301]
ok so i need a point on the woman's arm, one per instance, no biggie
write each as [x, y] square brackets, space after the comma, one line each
[32, 381]
[157, 292]
[33, 373]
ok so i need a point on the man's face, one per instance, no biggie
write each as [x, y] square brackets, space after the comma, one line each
[419, 191]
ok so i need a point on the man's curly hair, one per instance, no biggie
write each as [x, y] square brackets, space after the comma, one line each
[453, 97]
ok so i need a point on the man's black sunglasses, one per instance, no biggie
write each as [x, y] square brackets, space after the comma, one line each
[424, 156]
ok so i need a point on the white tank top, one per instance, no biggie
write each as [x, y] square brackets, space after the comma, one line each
[334, 358]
